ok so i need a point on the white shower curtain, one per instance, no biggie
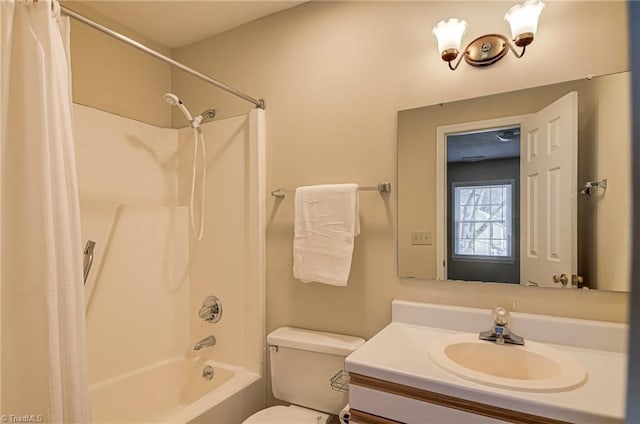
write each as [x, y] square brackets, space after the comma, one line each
[43, 369]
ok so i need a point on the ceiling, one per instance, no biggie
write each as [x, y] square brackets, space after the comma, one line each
[484, 145]
[177, 23]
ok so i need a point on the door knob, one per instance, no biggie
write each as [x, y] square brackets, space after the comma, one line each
[562, 278]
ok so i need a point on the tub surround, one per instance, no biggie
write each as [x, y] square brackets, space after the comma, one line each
[394, 364]
[150, 277]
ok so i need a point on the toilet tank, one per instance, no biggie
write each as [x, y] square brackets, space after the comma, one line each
[302, 364]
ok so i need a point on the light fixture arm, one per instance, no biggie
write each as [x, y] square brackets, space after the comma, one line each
[515, 52]
[453, 68]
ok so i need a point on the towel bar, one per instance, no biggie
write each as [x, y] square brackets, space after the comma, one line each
[384, 187]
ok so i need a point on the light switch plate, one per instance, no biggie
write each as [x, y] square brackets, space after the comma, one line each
[421, 238]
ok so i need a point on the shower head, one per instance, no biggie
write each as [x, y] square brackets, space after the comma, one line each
[173, 100]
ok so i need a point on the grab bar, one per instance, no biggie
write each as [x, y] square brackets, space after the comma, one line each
[88, 258]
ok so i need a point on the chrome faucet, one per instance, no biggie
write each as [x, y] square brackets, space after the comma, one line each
[207, 341]
[500, 333]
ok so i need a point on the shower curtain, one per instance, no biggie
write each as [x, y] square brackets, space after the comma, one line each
[43, 359]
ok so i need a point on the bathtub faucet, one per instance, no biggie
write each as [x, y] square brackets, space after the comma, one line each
[207, 341]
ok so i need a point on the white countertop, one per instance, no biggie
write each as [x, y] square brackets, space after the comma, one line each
[398, 354]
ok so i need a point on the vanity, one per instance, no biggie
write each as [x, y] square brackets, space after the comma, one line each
[418, 370]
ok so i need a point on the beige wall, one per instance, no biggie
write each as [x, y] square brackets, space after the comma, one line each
[334, 75]
[112, 76]
[613, 206]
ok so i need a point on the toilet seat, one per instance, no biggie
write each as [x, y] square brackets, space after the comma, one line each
[287, 415]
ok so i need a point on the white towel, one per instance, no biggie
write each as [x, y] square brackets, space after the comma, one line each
[326, 222]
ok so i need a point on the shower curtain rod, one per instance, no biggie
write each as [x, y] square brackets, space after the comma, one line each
[258, 102]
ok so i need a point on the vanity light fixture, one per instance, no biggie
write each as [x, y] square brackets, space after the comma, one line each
[489, 48]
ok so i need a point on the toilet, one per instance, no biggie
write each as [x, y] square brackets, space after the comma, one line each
[302, 364]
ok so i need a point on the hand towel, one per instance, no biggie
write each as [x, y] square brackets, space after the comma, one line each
[326, 222]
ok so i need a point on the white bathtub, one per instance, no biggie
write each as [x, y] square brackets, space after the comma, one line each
[174, 391]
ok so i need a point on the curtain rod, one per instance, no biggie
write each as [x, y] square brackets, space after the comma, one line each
[259, 103]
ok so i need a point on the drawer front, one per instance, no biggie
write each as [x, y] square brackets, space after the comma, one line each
[411, 405]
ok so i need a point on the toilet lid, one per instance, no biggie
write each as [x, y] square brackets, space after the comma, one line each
[283, 415]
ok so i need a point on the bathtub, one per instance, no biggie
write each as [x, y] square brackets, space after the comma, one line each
[174, 391]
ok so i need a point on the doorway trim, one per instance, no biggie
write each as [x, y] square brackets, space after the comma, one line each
[441, 176]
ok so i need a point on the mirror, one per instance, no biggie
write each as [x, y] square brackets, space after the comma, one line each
[426, 200]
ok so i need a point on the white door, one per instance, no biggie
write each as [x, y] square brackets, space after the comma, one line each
[548, 208]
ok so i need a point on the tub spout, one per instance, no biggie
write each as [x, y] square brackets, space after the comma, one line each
[207, 341]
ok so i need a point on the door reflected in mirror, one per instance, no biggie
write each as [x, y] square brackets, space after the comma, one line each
[497, 179]
[482, 186]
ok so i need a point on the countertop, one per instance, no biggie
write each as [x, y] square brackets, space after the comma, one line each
[398, 354]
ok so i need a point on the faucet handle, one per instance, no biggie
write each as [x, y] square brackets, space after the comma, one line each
[500, 316]
[211, 310]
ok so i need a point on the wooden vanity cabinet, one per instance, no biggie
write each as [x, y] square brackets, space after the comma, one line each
[375, 401]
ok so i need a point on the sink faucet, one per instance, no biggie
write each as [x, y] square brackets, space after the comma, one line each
[500, 333]
[207, 341]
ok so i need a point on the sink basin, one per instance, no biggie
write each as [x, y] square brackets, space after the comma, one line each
[533, 367]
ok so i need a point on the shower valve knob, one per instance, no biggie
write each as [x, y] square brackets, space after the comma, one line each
[211, 310]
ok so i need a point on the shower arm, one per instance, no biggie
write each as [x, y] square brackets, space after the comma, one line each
[259, 103]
